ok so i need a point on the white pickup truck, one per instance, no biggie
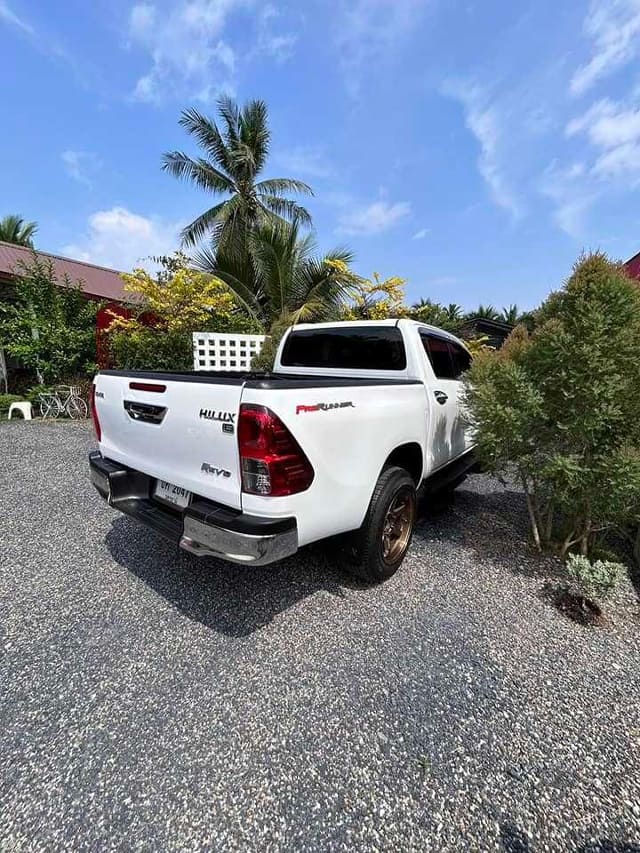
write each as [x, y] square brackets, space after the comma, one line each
[248, 467]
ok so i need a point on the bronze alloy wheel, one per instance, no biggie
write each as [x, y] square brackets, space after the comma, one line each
[398, 524]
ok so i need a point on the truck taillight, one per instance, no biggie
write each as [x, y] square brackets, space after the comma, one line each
[272, 461]
[94, 414]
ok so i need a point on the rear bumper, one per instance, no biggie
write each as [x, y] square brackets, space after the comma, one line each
[204, 528]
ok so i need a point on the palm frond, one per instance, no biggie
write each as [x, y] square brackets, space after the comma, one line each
[13, 229]
[285, 208]
[211, 221]
[230, 113]
[279, 186]
[207, 135]
[200, 171]
[254, 132]
[209, 260]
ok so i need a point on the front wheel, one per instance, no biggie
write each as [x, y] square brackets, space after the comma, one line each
[379, 547]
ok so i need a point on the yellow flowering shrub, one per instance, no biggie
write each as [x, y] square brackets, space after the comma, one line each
[187, 301]
[377, 299]
[166, 310]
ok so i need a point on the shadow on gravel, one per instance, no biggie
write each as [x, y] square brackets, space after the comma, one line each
[491, 522]
[227, 598]
[514, 840]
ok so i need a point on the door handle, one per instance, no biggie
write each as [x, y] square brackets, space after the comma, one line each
[441, 397]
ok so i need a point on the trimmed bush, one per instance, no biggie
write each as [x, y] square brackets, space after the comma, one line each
[6, 400]
[594, 580]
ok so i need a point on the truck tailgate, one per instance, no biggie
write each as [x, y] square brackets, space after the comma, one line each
[181, 432]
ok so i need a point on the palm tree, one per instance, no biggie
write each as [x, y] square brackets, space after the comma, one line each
[454, 312]
[234, 159]
[487, 312]
[280, 280]
[510, 315]
[13, 229]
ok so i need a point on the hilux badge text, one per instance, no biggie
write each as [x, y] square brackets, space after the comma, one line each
[213, 415]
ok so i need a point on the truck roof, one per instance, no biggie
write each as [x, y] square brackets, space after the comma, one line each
[393, 322]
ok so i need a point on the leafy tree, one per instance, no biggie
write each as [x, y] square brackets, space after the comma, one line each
[49, 326]
[13, 229]
[435, 314]
[234, 158]
[168, 308]
[376, 299]
[561, 407]
[281, 279]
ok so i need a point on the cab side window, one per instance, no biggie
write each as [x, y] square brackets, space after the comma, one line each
[461, 359]
[448, 359]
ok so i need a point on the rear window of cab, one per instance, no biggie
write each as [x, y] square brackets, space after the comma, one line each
[355, 348]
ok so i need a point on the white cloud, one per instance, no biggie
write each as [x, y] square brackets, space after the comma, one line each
[303, 161]
[186, 46]
[121, 239]
[373, 218]
[367, 30]
[614, 129]
[421, 234]
[614, 28]
[80, 165]
[187, 43]
[484, 121]
[278, 45]
[607, 124]
[572, 194]
[10, 17]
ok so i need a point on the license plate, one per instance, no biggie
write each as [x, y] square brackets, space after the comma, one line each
[175, 495]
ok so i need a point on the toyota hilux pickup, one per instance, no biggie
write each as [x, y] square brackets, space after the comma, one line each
[249, 467]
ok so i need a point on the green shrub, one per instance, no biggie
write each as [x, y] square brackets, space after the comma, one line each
[6, 400]
[180, 300]
[594, 580]
[561, 408]
[151, 349]
[49, 325]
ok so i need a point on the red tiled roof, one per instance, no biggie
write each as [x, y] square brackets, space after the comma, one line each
[96, 281]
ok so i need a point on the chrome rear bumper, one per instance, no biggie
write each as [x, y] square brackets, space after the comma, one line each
[204, 528]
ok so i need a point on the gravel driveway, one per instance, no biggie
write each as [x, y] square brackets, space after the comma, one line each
[151, 701]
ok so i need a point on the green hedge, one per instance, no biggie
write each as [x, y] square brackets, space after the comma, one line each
[6, 400]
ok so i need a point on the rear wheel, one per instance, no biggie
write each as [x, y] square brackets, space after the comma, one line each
[379, 547]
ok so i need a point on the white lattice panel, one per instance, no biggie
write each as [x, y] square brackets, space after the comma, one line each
[218, 351]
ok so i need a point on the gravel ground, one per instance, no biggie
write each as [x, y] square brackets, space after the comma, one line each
[151, 701]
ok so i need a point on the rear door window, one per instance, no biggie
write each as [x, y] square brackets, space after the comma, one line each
[353, 348]
[439, 354]
[461, 359]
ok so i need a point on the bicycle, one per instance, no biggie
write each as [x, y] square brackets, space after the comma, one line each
[63, 400]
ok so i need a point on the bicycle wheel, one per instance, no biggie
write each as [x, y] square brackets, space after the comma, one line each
[49, 407]
[77, 408]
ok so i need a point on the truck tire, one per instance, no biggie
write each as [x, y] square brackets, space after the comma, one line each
[378, 548]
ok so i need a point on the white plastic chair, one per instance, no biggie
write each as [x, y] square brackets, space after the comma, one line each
[24, 407]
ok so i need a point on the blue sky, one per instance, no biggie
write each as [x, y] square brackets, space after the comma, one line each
[473, 148]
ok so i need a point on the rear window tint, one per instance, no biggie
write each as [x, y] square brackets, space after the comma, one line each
[448, 359]
[363, 348]
[439, 354]
[461, 359]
